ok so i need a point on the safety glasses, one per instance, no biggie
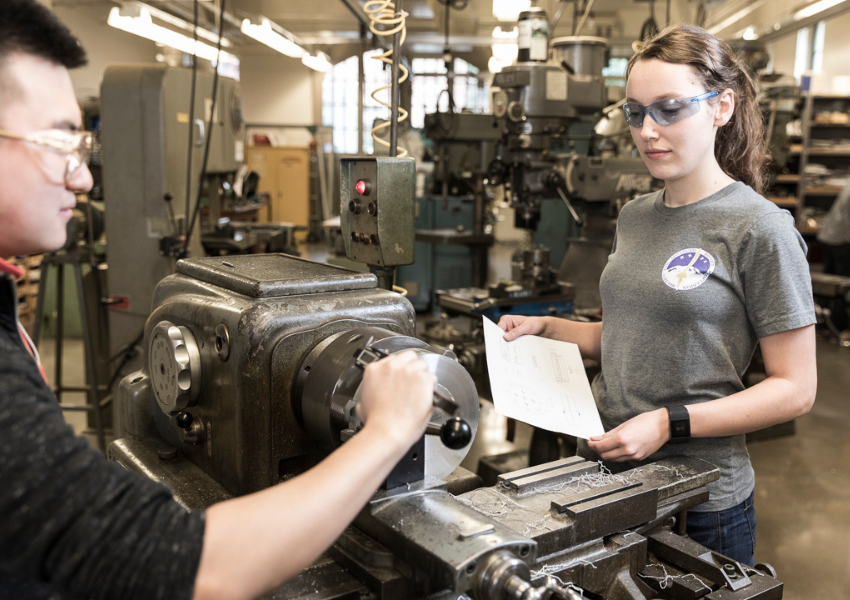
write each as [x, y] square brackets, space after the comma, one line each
[665, 112]
[75, 145]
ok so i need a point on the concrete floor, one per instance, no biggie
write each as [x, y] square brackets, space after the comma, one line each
[802, 481]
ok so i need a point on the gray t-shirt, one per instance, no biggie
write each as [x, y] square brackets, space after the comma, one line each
[686, 295]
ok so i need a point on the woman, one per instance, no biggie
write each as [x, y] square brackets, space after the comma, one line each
[700, 272]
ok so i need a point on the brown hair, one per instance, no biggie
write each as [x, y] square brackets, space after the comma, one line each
[739, 144]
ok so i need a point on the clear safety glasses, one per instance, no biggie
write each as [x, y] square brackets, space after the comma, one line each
[665, 112]
[75, 145]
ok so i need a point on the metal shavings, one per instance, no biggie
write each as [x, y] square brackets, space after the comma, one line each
[561, 582]
[664, 581]
[588, 481]
[550, 570]
[499, 508]
[536, 525]
[502, 498]
[675, 471]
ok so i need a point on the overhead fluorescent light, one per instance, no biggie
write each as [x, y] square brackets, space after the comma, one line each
[186, 26]
[265, 33]
[140, 23]
[321, 62]
[508, 10]
[750, 34]
[815, 8]
[715, 29]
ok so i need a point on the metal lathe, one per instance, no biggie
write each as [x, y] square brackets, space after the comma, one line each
[253, 371]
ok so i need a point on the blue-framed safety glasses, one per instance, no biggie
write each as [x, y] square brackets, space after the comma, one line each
[665, 112]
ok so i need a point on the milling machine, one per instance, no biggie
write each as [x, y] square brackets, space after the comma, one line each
[547, 108]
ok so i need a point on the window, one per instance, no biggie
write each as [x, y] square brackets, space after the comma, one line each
[615, 72]
[428, 91]
[339, 105]
[801, 57]
[339, 102]
[817, 47]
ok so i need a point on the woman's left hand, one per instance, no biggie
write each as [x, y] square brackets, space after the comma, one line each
[636, 439]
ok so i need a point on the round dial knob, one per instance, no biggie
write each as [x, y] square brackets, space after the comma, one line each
[516, 112]
[174, 363]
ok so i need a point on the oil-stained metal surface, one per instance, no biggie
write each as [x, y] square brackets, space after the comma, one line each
[676, 475]
[525, 502]
[192, 488]
[325, 579]
[274, 275]
[683, 556]
[432, 531]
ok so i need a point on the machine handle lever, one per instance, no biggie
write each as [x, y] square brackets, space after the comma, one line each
[455, 433]
[579, 221]
[184, 420]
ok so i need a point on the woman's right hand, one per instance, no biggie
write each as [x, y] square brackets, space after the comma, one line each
[516, 326]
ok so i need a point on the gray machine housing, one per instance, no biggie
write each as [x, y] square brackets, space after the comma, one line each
[145, 134]
[254, 319]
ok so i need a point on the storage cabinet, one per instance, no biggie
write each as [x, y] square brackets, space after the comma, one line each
[284, 175]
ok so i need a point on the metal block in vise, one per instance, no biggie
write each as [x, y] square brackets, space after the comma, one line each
[554, 473]
[377, 209]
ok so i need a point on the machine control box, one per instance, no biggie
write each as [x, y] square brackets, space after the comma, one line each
[377, 206]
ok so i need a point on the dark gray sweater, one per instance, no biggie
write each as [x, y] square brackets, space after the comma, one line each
[72, 525]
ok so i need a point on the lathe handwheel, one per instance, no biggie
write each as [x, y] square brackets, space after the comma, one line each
[174, 363]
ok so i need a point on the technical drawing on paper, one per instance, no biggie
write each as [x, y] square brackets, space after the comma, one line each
[527, 400]
[532, 402]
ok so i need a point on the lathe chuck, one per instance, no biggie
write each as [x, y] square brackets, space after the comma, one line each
[329, 388]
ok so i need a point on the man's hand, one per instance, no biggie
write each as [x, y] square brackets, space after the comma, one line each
[517, 325]
[636, 439]
[398, 396]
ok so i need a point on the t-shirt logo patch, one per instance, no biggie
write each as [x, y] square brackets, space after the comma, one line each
[688, 269]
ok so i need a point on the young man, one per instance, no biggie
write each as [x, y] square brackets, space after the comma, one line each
[73, 525]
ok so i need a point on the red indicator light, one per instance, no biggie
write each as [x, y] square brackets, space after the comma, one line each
[363, 187]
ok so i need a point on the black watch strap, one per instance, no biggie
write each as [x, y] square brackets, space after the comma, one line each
[680, 424]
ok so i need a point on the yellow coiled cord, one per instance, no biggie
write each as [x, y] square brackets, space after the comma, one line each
[382, 14]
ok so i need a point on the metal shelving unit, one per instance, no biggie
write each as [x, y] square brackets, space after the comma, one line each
[836, 156]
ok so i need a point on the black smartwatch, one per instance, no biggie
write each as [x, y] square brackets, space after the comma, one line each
[680, 424]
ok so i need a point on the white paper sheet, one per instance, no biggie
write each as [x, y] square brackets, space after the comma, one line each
[541, 382]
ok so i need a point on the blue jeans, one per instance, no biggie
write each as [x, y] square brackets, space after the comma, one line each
[730, 532]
